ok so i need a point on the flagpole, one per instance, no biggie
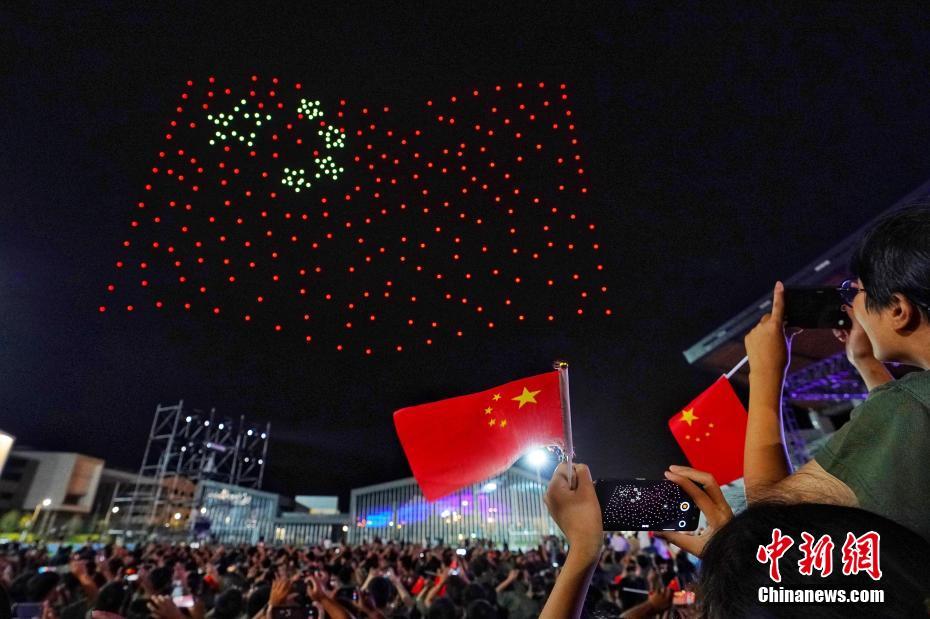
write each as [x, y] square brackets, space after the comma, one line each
[569, 451]
[736, 368]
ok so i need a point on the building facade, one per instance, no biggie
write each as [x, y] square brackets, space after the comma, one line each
[232, 514]
[506, 509]
[303, 529]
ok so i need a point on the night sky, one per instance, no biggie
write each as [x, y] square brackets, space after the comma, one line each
[723, 149]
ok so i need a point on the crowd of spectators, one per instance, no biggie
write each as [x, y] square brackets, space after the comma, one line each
[373, 580]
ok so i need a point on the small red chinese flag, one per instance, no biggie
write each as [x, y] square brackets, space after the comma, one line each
[456, 442]
[712, 431]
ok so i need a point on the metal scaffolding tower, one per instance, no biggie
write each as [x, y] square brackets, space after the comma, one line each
[184, 448]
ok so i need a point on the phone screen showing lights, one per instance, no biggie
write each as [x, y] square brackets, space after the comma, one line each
[645, 505]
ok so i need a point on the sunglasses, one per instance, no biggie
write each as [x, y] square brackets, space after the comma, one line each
[848, 291]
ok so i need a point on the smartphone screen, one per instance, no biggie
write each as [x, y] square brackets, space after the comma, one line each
[183, 601]
[645, 505]
[683, 598]
[809, 307]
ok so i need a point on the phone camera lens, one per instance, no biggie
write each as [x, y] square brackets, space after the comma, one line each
[685, 506]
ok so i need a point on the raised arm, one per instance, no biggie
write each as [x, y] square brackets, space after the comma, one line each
[765, 459]
[766, 469]
[578, 514]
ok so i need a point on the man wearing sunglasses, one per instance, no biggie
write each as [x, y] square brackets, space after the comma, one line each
[879, 460]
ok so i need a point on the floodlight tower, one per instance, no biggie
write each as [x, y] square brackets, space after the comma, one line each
[251, 454]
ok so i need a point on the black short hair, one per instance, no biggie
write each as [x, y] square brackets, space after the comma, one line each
[229, 604]
[160, 577]
[480, 609]
[731, 575]
[111, 598]
[41, 585]
[894, 256]
[442, 608]
[257, 599]
[380, 589]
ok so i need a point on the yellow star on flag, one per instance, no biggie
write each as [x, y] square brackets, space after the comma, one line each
[503, 423]
[496, 397]
[492, 422]
[527, 397]
[688, 416]
[488, 410]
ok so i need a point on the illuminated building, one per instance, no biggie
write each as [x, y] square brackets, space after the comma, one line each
[506, 509]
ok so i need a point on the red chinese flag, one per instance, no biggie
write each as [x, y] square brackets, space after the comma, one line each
[712, 431]
[456, 442]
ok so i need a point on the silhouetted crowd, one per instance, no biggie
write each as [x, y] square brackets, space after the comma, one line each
[393, 579]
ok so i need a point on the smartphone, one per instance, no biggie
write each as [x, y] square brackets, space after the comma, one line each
[287, 612]
[683, 598]
[461, 552]
[645, 505]
[183, 601]
[46, 568]
[312, 612]
[132, 577]
[809, 307]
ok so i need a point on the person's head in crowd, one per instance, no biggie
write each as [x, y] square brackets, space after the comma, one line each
[455, 589]
[19, 587]
[731, 575]
[43, 587]
[479, 566]
[892, 264]
[160, 577]
[381, 590]
[258, 597]
[111, 597]
[442, 608]
[473, 591]
[138, 609]
[346, 576]
[480, 609]
[229, 604]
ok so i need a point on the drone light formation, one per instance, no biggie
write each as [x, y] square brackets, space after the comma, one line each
[362, 228]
